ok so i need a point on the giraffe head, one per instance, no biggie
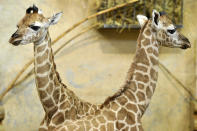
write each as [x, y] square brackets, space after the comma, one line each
[165, 31]
[33, 27]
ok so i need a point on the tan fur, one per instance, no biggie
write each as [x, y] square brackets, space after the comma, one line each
[64, 111]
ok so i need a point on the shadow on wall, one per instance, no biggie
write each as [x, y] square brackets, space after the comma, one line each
[111, 41]
[115, 42]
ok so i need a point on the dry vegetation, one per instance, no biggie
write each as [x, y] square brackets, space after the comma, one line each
[126, 17]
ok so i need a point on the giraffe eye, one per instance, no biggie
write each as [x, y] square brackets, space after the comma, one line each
[34, 27]
[171, 31]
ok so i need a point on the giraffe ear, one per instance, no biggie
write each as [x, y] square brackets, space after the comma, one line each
[55, 18]
[142, 19]
[155, 17]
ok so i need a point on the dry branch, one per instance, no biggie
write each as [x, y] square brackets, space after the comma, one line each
[11, 85]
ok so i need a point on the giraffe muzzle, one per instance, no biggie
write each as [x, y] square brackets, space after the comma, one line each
[15, 39]
[186, 46]
[16, 43]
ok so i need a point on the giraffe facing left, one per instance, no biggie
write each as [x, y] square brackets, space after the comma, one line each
[58, 101]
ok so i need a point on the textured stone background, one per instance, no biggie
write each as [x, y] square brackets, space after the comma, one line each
[94, 66]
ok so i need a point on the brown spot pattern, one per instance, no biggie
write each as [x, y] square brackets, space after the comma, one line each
[41, 81]
[130, 96]
[132, 86]
[65, 105]
[50, 88]
[141, 68]
[109, 115]
[140, 86]
[95, 123]
[56, 95]
[119, 125]
[56, 82]
[148, 92]
[146, 42]
[130, 118]
[44, 68]
[87, 124]
[102, 128]
[156, 53]
[71, 127]
[48, 103]
[163, 36]
[42, 58]
[141, 57]
[147, 32]
[132, 107]
[134, 129]
[101, 119]
[63, 97]
[114, 106]
[43, 94]
[86, 107]
[41, 48]
[51, 128]
[58, 119]
[51, 75]
[140, 128]
[154, 74]
[141, 77]
[153, 60]
[142, 108]
[122, 114]
[122, 100]
[110, 127]
[141, 96]
[153, 85]
[150, 50]
[52, 112]
[73, 113]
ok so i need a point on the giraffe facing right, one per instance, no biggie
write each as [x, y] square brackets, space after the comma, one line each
[124, 110]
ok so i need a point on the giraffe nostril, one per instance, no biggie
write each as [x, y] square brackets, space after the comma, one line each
[185, 46]
[16, 43]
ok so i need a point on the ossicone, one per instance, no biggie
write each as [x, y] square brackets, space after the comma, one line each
[32, 9]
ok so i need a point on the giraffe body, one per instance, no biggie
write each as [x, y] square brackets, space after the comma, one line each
[64, 111]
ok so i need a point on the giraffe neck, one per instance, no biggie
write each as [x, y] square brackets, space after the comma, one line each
[143, 73]
[133, 98]
[47, 79]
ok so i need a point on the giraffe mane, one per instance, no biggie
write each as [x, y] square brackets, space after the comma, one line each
[142, 29]
[117, 94]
